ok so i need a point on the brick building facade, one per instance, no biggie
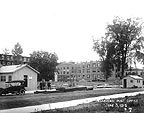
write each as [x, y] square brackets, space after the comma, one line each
[89, 71]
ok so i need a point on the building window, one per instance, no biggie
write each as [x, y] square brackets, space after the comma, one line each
[88, 65]
[9, 78]
[67, 72]
[88, 76]
[83, 70]
[79, 76]
[88, 70]
[79, 71]
[67, 67]
[94, 65]
[63, 72]
[131, 81]
[83, 75]
[2, 78]
[94, 71]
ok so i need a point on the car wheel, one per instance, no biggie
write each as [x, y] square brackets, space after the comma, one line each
[22, 91]
[3, 92]
[0, 93]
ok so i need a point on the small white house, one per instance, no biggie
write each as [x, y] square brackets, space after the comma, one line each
[19, 72]
[132, 81]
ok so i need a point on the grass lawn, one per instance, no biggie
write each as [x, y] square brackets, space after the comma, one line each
[132, 104]
[7, 102]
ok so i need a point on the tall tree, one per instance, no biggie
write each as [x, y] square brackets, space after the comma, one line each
[101, 47]
[17, 52]
[45, 63]
[125, 36]
[104, 48]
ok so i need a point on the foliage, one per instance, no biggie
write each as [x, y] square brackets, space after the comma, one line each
[124, 43]
[45, 63]
[103, 48]
[17, 51]
[6, 51]
[127, 35]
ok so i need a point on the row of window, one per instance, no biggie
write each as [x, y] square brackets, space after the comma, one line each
[10, 58]
[3, 78]
[88, 76]
[81, 76]
[133, 73]
[131, 81]
[88, 66]
[79, 71]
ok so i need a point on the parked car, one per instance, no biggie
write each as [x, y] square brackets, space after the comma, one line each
[13, 87]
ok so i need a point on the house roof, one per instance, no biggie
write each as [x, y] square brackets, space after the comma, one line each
[135, 77]
[14, 68]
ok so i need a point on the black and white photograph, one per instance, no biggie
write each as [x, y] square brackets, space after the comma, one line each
[71, 56]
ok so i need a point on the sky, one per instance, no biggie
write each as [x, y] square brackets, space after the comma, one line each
[66, 27]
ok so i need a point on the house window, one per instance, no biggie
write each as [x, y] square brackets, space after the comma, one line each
[2, 78]
[131, 81]
[138, 81]
[9, 78]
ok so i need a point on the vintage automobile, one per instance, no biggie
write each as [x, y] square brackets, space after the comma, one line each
[13, 87]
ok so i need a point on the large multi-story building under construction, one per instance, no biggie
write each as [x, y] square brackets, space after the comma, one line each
[89, 71]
